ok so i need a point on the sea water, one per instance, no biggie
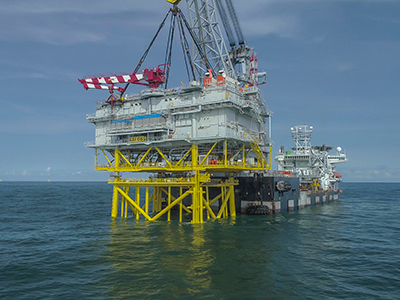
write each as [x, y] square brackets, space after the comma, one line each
[58, 241]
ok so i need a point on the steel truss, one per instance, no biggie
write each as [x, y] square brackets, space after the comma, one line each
[189, 196]
[204, 22]
[183, 182]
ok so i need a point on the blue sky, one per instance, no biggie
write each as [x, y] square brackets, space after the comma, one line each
[332, 64]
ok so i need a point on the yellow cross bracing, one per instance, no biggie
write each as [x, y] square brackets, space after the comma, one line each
[154, 160]
[194, 191]
[188, 191]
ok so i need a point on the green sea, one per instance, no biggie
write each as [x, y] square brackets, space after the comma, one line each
[58, 241]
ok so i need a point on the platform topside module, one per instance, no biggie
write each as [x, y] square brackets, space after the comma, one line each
[178, 118]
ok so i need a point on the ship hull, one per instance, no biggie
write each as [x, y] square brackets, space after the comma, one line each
[264, 191]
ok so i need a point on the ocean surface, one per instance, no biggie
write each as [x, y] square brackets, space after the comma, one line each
[58, 241]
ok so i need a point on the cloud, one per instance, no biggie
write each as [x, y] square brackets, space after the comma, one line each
[380, 173]
[76, 21]
[344, 67]
[77, 6]
[283, 25]
[44, 122]
[51, 29]
[70, 22]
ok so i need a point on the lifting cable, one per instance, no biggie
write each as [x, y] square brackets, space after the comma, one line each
[185, 49]
[225, 22]
[178, 19]
[197, 44]
[168, 51]
[235, 22]
[146, 52]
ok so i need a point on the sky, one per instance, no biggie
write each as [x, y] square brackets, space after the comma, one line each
[332, 64]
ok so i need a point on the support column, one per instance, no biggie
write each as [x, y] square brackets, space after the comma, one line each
[232, 207]
[147, 201]
[169, 202]
[114, 208]
[137, 201]
[180, 205]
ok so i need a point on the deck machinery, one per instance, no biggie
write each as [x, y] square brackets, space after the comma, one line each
[194, 139]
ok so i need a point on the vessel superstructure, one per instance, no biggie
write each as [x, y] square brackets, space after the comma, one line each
[313, 164]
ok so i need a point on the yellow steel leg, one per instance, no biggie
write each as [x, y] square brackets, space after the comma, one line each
[201, 204]
[223, 201]
[137, 201]
[226, 206]
[169, 203]
[208, 202]
[126, 202]
[114, 209]
[180, 205]
[147, 200]
[195, 200]
[232, 202]
[126, 208]
[122, 207]
[95, 159]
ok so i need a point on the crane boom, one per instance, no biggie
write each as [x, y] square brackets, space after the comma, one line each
[204, 23]
[235, 21]
[154, 78]
[225, 22]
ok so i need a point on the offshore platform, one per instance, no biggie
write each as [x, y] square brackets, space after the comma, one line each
[194, 139]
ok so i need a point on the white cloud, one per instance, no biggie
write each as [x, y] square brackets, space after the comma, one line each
[44, 122]
[285, 26]
[381, 174]
[18, 17]
[79, 6]
[344, 67]
[69, 22]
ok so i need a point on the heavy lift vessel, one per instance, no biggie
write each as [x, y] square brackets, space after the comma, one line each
[194, 140]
